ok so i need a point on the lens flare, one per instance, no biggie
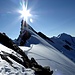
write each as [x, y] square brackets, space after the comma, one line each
[25, 13]
[31, 20]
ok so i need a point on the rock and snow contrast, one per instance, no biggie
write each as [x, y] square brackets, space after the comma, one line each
[54, 52]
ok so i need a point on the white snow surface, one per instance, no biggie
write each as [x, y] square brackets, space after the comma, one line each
[44, 53]
[45, 56]
[62, 40]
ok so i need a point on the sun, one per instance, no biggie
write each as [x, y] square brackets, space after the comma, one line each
[25, 13]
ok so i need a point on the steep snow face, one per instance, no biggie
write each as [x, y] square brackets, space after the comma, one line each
[65, 44]
[33, 37]
[67, 37]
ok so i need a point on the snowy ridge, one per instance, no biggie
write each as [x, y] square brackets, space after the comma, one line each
[67, 37]
[44, 52]
[65, 44]
[34, 38]
[47, 55]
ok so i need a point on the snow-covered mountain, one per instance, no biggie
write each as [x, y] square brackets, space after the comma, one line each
[40, 47]
[64, 43]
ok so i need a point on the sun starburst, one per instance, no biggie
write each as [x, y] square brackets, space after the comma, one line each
[25, 13]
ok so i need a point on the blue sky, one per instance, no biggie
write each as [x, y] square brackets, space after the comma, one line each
[52, 17]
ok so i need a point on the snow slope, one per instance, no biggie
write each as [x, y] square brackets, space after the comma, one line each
[65, 44]
[45, 56]
[17, 69]
[44, 53]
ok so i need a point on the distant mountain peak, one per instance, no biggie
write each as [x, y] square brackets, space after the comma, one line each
[62, 35]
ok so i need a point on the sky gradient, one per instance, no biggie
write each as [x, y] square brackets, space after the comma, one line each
[52, 17]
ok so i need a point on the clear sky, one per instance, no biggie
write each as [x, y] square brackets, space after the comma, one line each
[52, 17]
